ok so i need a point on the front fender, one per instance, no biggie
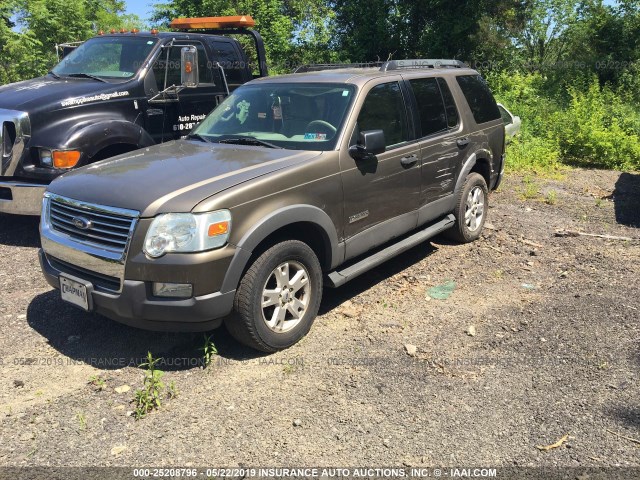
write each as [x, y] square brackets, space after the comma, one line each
[273, 222]
[93, 138]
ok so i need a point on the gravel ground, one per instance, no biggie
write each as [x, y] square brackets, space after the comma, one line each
[540, 339]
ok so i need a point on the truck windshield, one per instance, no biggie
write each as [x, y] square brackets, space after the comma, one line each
[107, 57]
[292, 116]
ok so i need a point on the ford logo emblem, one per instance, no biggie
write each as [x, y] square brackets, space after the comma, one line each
[81, 223]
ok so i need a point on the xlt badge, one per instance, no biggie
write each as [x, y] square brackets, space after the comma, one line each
[358, 216]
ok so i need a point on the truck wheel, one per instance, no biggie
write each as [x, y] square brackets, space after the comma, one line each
[471, 210]
[278, 298]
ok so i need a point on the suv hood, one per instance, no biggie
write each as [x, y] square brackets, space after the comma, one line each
[48, 93]
[172, 177]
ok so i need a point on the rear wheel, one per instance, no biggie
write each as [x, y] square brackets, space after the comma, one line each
[471, 210]
[278, 298]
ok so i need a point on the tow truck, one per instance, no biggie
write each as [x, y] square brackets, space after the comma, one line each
[115, 93]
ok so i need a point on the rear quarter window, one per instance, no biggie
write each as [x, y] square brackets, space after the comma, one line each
[481, 102]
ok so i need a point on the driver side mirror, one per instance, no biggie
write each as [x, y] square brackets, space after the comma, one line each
[370, 143]
[189, 67]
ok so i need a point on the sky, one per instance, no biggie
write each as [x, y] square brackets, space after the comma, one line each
[142, 8]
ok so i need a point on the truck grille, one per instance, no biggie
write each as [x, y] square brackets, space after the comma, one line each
[92, 226]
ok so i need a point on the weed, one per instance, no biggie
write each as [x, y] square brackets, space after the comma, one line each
[552, 197]
[599, 202]
[82, 420]
[148, 399]
[530, 190]
[98, 382]
[209, 350]
[289, 369]
[172, 390]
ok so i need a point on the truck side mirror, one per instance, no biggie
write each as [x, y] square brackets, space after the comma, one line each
[189, 67]
[370, 143]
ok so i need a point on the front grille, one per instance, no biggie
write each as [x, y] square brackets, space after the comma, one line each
[99, 281]
[94, 227]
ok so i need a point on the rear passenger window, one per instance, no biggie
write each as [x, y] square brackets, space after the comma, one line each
[433, 118]
[449, 104]
[226, 54]
[384, 109]
[479, 97]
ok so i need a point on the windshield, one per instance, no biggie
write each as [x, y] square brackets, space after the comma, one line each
[293, 116]
[107, 57]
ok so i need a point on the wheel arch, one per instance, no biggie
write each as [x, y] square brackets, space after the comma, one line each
[479, 162]
[306, 223]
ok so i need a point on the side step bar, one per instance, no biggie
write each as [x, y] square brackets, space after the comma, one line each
[340, 277]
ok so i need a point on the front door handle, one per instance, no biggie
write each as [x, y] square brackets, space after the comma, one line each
[463, 142]
[409, 161]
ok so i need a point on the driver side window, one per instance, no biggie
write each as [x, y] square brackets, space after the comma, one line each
[384, 109]
[172, 66]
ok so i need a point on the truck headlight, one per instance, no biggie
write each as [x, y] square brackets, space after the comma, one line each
[187, 232]
[46, 158]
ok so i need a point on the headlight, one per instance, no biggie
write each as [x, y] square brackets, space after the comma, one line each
[187, 232]
[46, 158]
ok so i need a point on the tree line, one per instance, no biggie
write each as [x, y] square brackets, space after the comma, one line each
[543, 56]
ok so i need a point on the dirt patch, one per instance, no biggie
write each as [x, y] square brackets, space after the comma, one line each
[554, 351]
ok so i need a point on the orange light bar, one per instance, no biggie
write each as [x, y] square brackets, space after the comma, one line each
[212, 22]
[67, 159]
[123, 30]
[134, 30]
[219, 228]
[101, 32]
[154, 31]
[113, 30]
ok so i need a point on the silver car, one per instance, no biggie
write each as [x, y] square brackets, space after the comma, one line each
[512, 123]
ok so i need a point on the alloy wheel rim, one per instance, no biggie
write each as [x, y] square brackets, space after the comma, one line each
[285, 297]
[474, 209]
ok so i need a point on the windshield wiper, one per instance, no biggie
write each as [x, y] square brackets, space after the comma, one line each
[54, 75]
[197, 136]
[86, 75]
[248, 141]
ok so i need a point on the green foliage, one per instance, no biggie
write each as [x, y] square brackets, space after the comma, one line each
[598, 129]
[295, 31]
[209, 351]
[149, 397]
[27, 45]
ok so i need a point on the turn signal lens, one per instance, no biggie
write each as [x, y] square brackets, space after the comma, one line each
[187, 67]
[66, 159]
[219, 228]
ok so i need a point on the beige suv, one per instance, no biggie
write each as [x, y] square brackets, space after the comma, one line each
[293, 183]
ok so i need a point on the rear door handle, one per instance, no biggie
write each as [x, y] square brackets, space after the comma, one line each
[409, 161]
[463, 142]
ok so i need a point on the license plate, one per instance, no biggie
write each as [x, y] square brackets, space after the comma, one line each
[76, 292]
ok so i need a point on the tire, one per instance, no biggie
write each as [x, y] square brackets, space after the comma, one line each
[267, 328]
[473, 197]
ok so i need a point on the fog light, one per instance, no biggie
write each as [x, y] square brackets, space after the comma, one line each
[172, 290]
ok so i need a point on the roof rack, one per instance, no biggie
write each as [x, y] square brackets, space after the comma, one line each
[421, 63]
[318, 67]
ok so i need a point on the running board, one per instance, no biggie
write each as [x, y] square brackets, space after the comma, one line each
[340, 277]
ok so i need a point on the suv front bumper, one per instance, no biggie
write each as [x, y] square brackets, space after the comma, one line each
[21, 198]
[134, 305]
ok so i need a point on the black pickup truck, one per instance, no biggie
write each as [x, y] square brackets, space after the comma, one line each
[115, 93]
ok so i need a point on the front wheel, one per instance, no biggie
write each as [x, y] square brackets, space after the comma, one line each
[278, 298]
[471, 210]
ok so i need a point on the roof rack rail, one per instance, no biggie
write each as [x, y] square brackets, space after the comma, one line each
[318, 67]
[421, 63]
